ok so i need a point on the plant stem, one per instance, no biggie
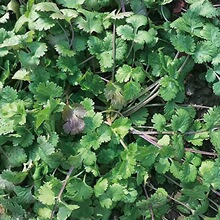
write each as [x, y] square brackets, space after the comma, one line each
[122, 5]
[61, 192]
[150, 206]
[86, 60]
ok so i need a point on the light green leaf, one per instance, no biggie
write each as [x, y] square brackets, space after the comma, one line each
[100, 187]
[210, 75]
[165, 140]
[216, 88]
[137, 21]
[121, 126]
[22, 74]
[46, 194]
[126, 32]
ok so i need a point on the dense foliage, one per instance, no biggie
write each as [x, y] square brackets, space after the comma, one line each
[109, 109]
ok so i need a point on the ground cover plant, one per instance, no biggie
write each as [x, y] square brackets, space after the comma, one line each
[109, 109]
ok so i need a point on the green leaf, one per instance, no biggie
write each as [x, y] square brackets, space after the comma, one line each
[137, 21]
[131, 90]
[24, 195]
[91, 22]
[159, 122]
[210, 178]
[71, 3]
[126, 32]
[113, 93]
[15, 156]
[100, 187]
[140, 117]
[121, 126]
[214, 138]
[162, 166]
[183, 43]
[92, 82]
[46, 194]
[65, 211]
[169, 88]
[46, 6]
[212, 117]
[204, 52]
[181, 121]
[22, 74]
[78, 190]
[216, 88]
[63, 48]
[13, 176]
[204, 8]
[45, 91]
[149, 37]
[44, 146]
[210, 75]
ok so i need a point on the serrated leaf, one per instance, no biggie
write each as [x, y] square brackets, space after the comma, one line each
[113, 93]
[46, 194]
[15, 156]
[148, 37]
[216, 88]
[205, 9]
[210, 178]
[92, 82]
[45, 147]
[214, 138]
[71, 3]
[24, 195]
[22, 74]
[100, 187]
[63, 48]
[183, 43]
[131, 90]
[212, 117]
[121, 126]
[164, 141]
[210, 75]
[46, 6]
[204, 52]
[78, 190]
[91, 22]
[65, 211]
[137, 21]
[169, 88]
[13, 176]
[181, 121]
[162, 166]
[159, 122]
[126, 32]
[45, 91]
[140, 117]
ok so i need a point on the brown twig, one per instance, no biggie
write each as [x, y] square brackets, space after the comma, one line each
[150, 206]
[122, 5]
[61, 191]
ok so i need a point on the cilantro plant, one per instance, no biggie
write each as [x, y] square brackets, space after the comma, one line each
[109, 109]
